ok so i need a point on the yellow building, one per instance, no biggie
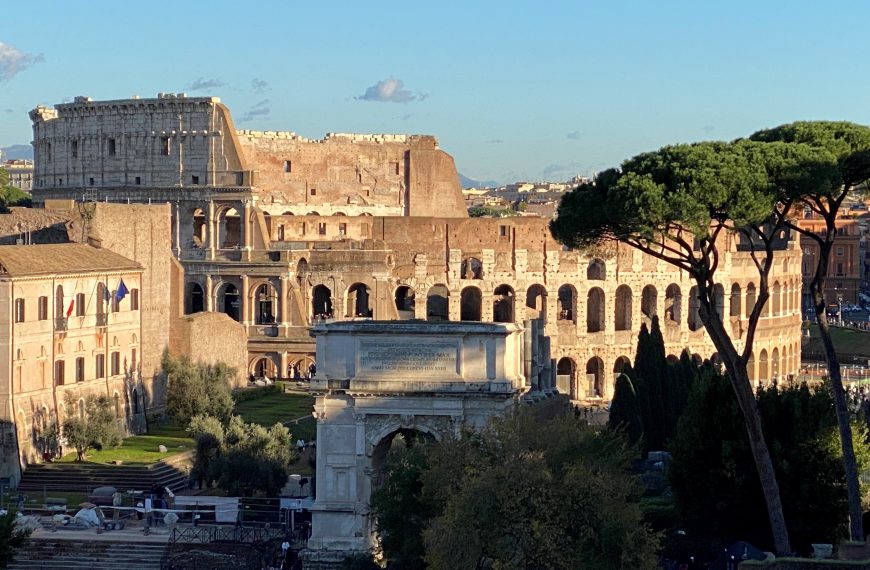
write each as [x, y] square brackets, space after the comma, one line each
[69, 326]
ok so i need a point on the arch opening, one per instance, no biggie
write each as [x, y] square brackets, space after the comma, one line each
[503, 304]
[470, 304]
[437, 305]
[595, 310]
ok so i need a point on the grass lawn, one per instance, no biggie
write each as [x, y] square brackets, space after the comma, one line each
[141, 449]
[850, 344]
[278, 407]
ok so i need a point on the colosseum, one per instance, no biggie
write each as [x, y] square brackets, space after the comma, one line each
[279, 231]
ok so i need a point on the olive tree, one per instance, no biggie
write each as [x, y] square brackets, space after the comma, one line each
[681, 204]
[840, 165]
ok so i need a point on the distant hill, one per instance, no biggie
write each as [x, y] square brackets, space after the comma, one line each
[17, 151]
[466, 182]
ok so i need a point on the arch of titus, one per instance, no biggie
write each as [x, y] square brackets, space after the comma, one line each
[280, 232]
[379, 379]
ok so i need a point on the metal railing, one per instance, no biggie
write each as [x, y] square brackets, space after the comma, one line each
[206, 534]
[102, 319]
[60, 323]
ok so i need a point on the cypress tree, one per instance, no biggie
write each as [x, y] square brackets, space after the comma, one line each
[647, 368]
[625, 410]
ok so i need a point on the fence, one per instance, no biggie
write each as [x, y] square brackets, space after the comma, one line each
[207, 534]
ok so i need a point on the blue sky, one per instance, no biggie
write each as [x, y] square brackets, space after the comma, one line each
[513, 90]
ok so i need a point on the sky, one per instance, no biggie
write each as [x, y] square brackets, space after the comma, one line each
[513, 90]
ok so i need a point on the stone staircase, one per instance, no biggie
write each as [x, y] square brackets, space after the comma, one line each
[171, 472]
[71, 554]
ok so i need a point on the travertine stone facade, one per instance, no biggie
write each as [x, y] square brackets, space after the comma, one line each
[59, 335]
[372, 226]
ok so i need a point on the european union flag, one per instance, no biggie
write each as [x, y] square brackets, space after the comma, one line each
[121, 292]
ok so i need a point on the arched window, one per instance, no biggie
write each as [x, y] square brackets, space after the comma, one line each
[673, 304]
[750, 299]
[321, 302]
[405, 302]
[596, 270]
[694, 309]
[565, 382]
[229, 301]
[503, 304]
[471, 268]
[536, 303]
[567, 303]
[719, 300]
[776, 298]
[195, 299]
[595, 378]
[595, 310]
[763, 371]
[358, 301]
[735, 300]
[437, 307]
[229, 229]
[470, 304]
[622, 310]
[649, 301]
[266, 303]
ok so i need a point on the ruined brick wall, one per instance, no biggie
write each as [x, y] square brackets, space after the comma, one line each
[388, 175]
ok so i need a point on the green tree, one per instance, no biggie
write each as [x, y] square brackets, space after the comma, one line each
[677, 204]
[837, 167]
[197, 389]
[11, 195]
[96, 430]
[536, 489]
[717, 497]
[12, 536]
[625, 410]
[242, 459]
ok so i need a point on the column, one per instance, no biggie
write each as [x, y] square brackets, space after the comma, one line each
[209, 292]
[247, 229]
[285, 363]
[177, 231]
[210, 235]
[284, 301]
[245, 300]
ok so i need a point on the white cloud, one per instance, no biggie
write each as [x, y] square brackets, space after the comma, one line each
[259, 86]
[261, 109]
[203, 84]
[13, 61]
[389, 91]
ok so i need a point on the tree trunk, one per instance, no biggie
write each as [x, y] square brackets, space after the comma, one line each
[853, 489]
[737, 374]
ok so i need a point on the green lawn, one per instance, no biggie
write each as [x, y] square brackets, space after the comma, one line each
[851, 345]
[141, 449]
[277, 407]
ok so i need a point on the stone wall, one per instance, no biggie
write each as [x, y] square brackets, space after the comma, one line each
[210, 338]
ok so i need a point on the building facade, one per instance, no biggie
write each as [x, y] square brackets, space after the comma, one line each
[846, 262]
[68, 329]
[281, 232]
[20, 173]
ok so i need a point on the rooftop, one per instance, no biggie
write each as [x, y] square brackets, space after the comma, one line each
[49, 259]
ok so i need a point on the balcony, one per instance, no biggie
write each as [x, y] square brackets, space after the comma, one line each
[60, 324]
[102, 319]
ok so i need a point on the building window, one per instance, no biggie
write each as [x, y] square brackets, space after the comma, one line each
[502, 231]
[80, 304]
[133, 359]
[100, 365]
[116, 363]
[134, 299]
[839, 251]
[80, 369]
[59, 373]
[74, 149]
[43, 308]
[138, 180]
[394, 168]
[321, 229]
[288, 166]
[116, 304]
[19, 310]
[313, 192]
[60, 181]
[164, 146]
[840, 270]
[91, 181]
[194, 179]
[342, 229]
[48, 150]
[111, 147]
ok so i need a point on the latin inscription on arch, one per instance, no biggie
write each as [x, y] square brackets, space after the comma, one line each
[404, 358]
